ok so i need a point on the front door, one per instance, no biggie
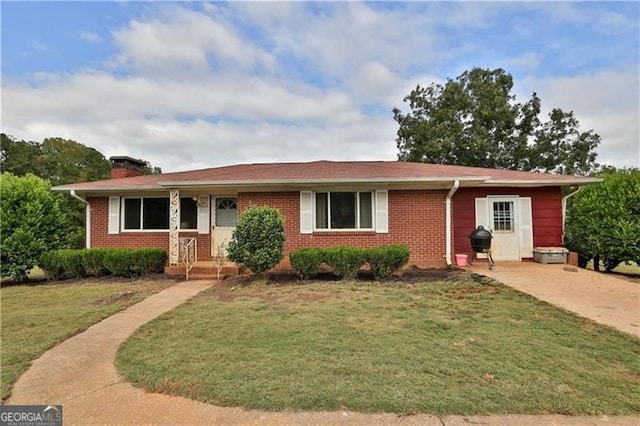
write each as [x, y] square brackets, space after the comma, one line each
[503, 214]
[225, 217]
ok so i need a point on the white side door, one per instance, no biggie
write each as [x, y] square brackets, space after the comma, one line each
[503, 221]
[225, 217]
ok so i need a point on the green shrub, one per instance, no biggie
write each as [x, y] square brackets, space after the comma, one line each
[62, 264]
[258, 240]
[68, 263]
[385, 260]
[120, 262]
[34, 221]
[71, 262]
[150, 260]
[345, 261]
[93, 261]
[50, 263]
[306, 261]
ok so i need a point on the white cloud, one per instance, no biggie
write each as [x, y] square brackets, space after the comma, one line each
[254, 82]
[90, 36]
[606, 101]
[184, 38]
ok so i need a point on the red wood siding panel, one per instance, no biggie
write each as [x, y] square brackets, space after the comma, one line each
[416, 218]
[546, 210]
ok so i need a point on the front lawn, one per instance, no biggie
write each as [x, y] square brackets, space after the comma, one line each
[36, 318]
[471, 346]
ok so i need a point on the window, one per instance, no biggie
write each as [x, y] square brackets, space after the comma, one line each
[226, 212]
[152, 213]
[503, 216]
[344, 210]
[188, 213]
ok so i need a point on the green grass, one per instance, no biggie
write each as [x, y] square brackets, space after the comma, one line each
[468, 347]
[36, 318]
[624, 268]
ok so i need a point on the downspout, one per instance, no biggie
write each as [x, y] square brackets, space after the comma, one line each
[447, 209]
[87, 210]
[564, 209]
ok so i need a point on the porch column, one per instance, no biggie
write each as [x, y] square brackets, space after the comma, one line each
[174, 246]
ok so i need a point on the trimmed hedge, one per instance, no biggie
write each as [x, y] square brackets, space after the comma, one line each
[346, 261]
[306, 261]
[64, 264]
[385, 260]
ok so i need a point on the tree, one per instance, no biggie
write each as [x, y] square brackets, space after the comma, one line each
[65, 161]
[61, 161]
[34, 220]
[475, 121]
[603, 220]
[258, 240]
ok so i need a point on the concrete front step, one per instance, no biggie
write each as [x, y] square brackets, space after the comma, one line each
[203, 269]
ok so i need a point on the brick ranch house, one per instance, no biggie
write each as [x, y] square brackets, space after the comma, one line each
[430, 208]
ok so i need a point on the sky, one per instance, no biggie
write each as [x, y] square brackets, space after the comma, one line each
[187, 85]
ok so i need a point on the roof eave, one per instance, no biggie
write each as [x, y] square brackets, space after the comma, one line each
[297, 182]
[541, 182]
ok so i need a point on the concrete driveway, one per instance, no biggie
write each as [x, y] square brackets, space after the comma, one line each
[604, 298]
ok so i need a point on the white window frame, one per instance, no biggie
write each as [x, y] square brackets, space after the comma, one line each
[122, 215]
[357, 213]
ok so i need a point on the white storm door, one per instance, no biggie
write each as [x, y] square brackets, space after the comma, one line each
[503, 222]
[225, 218]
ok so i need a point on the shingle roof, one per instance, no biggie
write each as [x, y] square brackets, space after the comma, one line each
[273, 174]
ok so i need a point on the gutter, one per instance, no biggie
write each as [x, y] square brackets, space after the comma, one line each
[87, 210]
[447, 208]
[564, 209]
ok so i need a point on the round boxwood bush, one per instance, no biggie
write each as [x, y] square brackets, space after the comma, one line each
[258, 240]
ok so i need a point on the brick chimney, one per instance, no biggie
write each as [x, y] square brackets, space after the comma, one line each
[123, 166]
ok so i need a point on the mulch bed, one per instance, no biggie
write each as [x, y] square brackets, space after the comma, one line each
[412, 274]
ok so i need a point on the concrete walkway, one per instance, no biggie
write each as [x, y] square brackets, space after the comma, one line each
[80, 374]
[604, 298]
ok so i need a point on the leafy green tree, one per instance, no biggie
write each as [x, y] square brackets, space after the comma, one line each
[34, 220]
[475, 120]
[61, 161]
[65, 161]
[603, 220]
[18, 157]
[258, 240]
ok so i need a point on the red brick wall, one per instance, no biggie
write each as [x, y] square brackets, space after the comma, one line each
[120, 172]
[546, 211]
[416, 218]
[101, 238]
